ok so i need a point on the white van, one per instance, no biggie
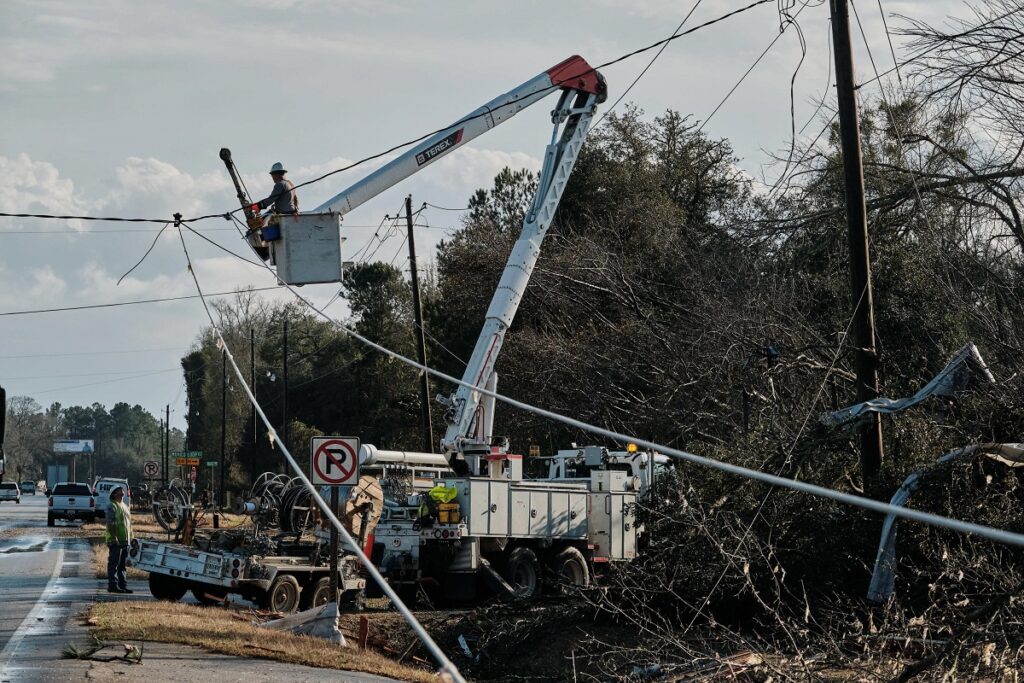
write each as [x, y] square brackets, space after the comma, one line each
[102, 490]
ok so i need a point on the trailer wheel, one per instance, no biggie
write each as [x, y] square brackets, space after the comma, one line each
[522, 571]
[570, 568]
[209, 596]
[282, 596]
[166, 587]
[319, 594]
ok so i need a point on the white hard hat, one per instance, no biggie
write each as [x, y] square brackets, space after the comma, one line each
[278, 168]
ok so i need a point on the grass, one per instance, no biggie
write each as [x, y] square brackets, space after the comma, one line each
[229, 632]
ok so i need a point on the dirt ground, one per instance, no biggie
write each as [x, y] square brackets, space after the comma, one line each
[232, 631]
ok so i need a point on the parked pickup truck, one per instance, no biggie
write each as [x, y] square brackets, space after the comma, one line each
[9, 491]
[71, 500]
[296, 575]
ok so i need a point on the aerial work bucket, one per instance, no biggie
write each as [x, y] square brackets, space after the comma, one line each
[308, 249]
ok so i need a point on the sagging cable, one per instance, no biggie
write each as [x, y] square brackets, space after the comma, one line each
[447, 667]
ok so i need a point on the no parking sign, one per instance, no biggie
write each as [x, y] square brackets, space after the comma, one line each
[334, 460]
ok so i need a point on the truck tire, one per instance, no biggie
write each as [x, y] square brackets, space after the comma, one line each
[570, 569]
[209, 595]
[49, 520]
[282, 596]
[317, 595]
[166, 587]
[522, 571]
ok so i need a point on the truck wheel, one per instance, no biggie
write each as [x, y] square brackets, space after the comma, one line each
[166, 587]
[570, 569]
[319, 594]
[209, 596]
[282, 596]
[49, 520]
[522, 571]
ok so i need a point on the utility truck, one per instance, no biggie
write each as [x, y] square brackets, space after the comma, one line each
[498, 531]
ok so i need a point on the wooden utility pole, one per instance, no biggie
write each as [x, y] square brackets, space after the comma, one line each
[284, 398]
[167, 434]
[252, 383]
[163, 456]
[223, 422]
[866, 354]
[421, 346]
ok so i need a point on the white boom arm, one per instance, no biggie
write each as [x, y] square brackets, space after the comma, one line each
[573, 114]
[582, 89]
[572, 74]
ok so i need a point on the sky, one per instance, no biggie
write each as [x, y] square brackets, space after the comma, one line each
[120, 107]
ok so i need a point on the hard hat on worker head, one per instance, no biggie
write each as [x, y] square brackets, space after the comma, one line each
[116, 489]
[278, 168]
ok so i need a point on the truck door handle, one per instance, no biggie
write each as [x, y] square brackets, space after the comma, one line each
[608, 505]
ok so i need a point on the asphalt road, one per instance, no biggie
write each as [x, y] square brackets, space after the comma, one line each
[40, 583]
[46, 581]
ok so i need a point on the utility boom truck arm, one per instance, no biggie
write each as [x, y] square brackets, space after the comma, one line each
[573, 74]
[581, 88]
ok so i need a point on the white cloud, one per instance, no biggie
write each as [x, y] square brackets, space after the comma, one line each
[469, 168]
[46, 284]
[36, 187]
[151, 188]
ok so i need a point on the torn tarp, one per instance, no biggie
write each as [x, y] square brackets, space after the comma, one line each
[965, 365]
[883, 578]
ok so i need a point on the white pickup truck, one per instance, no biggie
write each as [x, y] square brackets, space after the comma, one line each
[9, 491]
[71, 500]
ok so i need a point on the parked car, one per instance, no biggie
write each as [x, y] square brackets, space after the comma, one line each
[28, 487]
[9, 491]
[102, 489]
[71, 500]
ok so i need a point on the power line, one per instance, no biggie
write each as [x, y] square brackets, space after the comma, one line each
[89, 353]
[109, 381]
[394, 148]
[445, 208]
[646, 68]
[991, 533]
[138, 231]
[133, 303]
[81, 374]
[757, 61]
[446, 665]
[115, 219]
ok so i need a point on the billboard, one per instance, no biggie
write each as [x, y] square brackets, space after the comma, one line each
[73, 446]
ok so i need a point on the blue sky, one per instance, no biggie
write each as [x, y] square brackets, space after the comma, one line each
[119, 107]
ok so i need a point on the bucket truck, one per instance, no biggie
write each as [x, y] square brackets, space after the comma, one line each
[498, 529]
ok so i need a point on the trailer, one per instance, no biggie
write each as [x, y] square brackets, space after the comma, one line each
[275, 574]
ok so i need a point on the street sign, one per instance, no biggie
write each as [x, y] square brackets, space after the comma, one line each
[151, 468]
[335, 460]
[211, 463]
[186, 461]
[186, 454]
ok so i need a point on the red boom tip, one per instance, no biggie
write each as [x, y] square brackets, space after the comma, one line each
[575, 73]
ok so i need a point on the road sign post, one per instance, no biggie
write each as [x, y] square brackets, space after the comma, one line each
[334, 461]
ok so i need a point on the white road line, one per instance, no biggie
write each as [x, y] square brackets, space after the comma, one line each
[11, 648]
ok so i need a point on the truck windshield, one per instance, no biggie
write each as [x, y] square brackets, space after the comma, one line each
[8, 486]
[71, 490]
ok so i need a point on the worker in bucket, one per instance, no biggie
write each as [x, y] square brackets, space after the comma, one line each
[118, 537]
[282, 199]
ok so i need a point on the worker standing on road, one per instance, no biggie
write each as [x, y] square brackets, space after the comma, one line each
[118, 536]
[283, 198]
